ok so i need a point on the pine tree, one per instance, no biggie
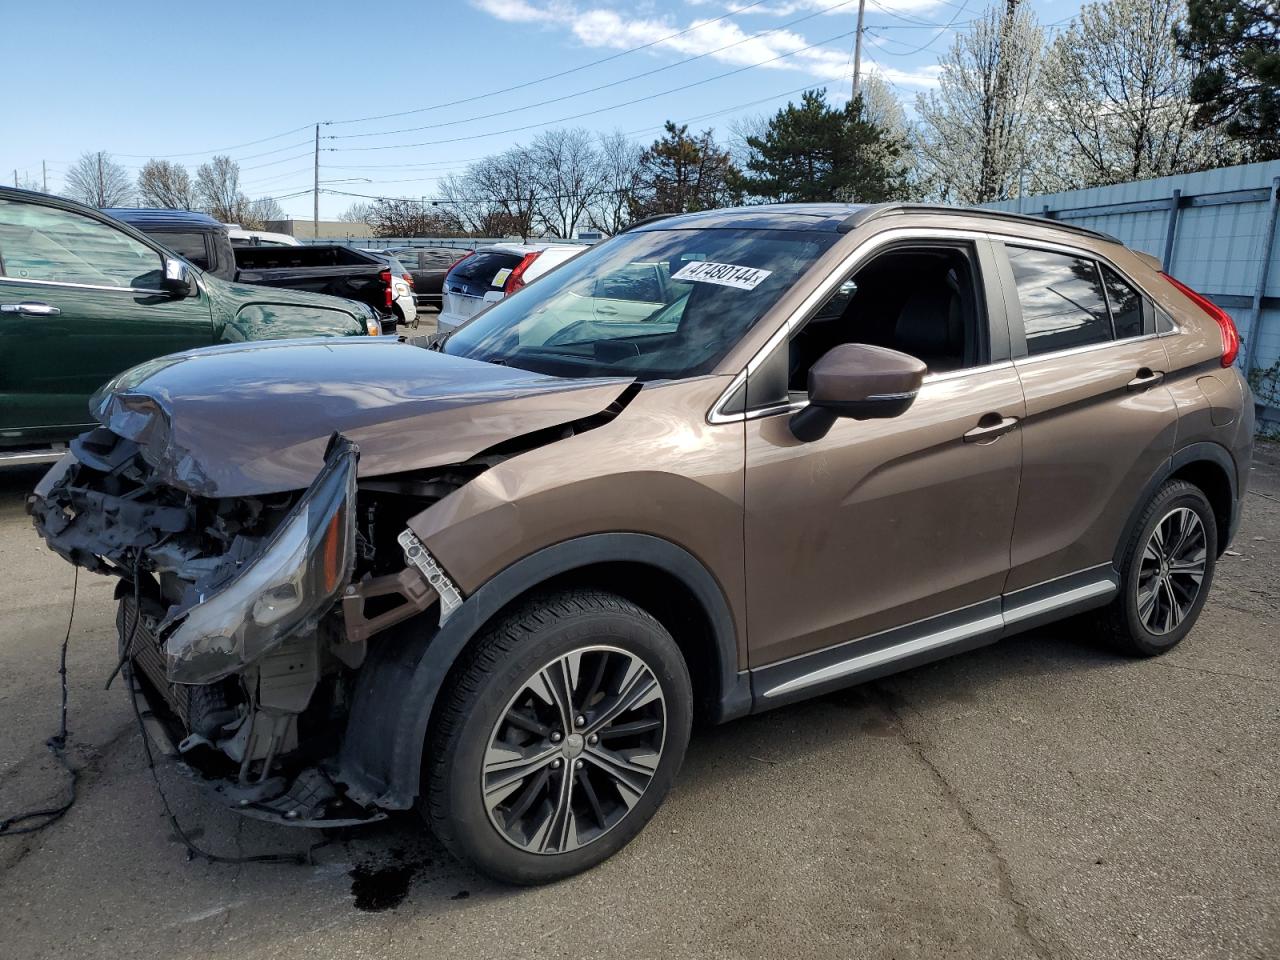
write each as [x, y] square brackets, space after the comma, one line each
[815, 152]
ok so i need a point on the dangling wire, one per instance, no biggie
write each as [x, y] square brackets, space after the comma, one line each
[19, 824]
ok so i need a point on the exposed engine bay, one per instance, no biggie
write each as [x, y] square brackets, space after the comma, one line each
[229, 620]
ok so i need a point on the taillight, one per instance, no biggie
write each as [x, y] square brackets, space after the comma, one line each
[515, 280]
[407, 278]
[385, 277]
[1226, 326]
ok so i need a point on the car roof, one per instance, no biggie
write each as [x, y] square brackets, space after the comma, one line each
[153, 218]
[839, 217]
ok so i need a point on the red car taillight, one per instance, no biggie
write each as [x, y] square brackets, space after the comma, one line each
[1226, 326]
[516, 278]
[385, 277]
[407, 278]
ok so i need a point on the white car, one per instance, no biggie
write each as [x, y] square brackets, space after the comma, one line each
[495, 272]
[241, 237]
[403, 302]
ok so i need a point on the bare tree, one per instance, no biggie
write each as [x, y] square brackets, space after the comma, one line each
[162, 183]
[1118, 95]
[610, 210]
[567, 174]
[98, 180]
[256, 214]
[218, 185]
[356, 213]
[411, 218]
[742, 129]
[505, 186]
[977, 130]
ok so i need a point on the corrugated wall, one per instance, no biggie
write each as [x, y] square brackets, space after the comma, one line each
[1223, 237]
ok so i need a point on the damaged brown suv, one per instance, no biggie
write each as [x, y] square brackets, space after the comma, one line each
[720, 462]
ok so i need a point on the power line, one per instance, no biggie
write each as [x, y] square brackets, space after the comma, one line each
[589, 113]
[200, 153]
[596, 89]
[551, 76]
[942, 30]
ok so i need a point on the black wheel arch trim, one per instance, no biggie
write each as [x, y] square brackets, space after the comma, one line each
[1201, 451]
[380, 761]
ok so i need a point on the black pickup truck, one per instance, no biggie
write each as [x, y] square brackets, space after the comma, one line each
[318, 268]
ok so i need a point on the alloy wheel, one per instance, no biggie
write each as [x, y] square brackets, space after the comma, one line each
[1171, 571]
[574, 750]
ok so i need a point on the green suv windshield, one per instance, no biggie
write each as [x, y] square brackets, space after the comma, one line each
[653, 304]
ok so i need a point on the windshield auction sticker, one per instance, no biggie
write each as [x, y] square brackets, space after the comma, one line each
[724, 274]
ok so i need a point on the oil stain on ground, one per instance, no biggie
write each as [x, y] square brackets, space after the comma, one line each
[381, 887]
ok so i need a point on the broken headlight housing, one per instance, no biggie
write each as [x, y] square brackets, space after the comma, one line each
[285, 589]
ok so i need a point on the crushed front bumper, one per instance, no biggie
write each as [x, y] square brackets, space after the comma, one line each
[309, 799]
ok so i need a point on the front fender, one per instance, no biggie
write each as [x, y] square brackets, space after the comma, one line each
[380, 762]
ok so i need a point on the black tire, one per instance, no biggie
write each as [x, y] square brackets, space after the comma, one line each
[483, 690]
[1123, 622]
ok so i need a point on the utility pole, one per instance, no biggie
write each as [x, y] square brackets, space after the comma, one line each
[315, 207]
[44, 175]
[102, 200]
[15, 176]
[857, 50]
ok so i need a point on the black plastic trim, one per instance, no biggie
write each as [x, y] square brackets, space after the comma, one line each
[1204, 450]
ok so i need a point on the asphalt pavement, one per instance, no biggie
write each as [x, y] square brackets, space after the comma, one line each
[1040, 798]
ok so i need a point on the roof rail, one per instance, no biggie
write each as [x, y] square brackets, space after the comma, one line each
[879, 210]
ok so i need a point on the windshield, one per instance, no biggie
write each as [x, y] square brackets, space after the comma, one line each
[654, 304]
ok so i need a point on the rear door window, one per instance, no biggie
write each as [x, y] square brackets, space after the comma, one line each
[48, 243]
[1062, 299]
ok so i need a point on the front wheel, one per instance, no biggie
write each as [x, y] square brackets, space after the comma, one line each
[558, 737]
[1166, 572]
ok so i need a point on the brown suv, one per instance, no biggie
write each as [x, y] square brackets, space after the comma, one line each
[782, 450]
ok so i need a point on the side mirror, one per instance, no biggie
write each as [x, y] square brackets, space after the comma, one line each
[858, 381]
[177, 281]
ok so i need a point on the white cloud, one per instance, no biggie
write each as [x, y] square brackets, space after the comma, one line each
[603, 27]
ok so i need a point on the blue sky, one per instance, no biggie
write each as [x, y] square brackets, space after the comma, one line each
[148, 79]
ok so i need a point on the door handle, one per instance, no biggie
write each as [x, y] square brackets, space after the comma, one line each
[30, 308]
[606, 309]
[1146, 378]
[991, 427]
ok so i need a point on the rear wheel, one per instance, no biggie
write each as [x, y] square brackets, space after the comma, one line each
[1166, 572]
[558, 737]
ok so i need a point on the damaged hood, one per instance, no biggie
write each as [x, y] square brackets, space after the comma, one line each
[251, 419]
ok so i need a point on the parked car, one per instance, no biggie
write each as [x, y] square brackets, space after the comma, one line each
[499, 585]
[495, 272]
[334, 269]
[404, 302]
[84, 296]
[376, 279]
[429, 265]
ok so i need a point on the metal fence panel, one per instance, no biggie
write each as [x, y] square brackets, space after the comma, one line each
[1214, 230]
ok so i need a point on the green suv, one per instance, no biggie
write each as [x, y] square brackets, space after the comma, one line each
[83, 297]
